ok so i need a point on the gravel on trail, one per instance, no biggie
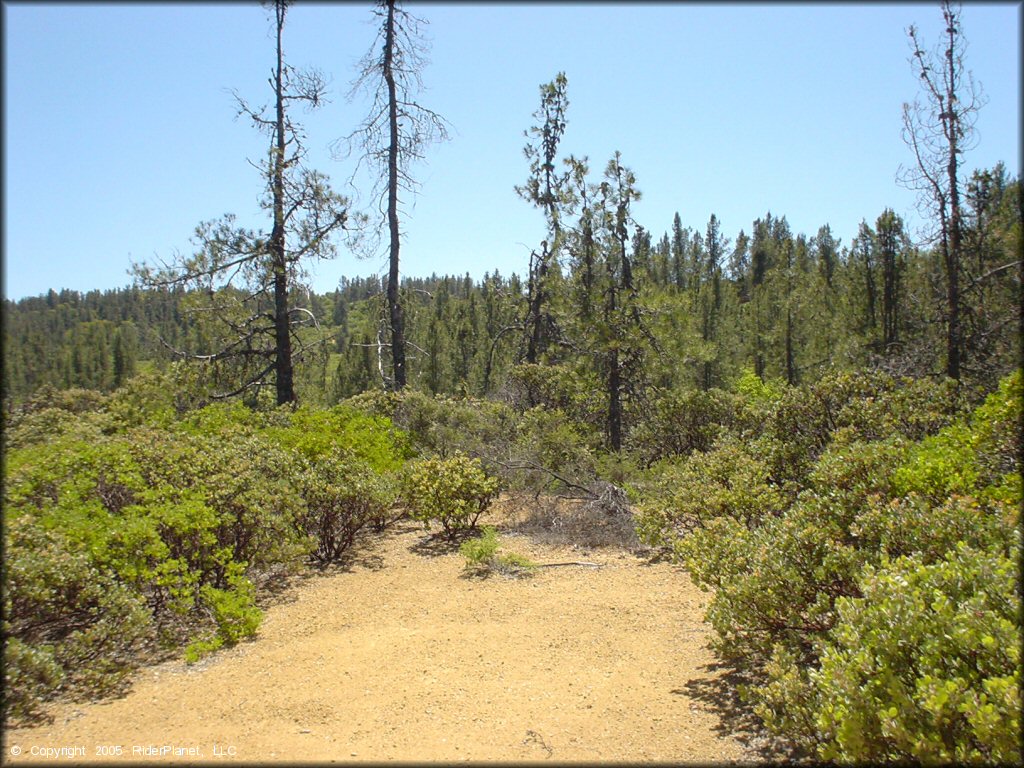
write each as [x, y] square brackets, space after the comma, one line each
[402, 655]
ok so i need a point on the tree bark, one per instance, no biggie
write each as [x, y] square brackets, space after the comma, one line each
[282, 330]
[953, 252]
[395, 315]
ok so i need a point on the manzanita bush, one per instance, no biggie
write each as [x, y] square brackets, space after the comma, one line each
[453, 492]
[121, 534]
[865, 570]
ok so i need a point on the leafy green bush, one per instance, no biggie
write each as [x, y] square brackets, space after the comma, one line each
[68, 625]
[911, 408]
[444, 426]
[158, 524]
[914, 525]
[342, 494]
[998, 431]
[549, 449]
[978, 457]
[865, 406]
[573, 391]
[680, 423]
[926, 665]
[31, 676]
[775, 583]
[153, 522]
[234, 612]
[754, 389]
[453, 492]
[313, 433]
[146, 398]
[869, 603]
[52, 414]
[682, 496]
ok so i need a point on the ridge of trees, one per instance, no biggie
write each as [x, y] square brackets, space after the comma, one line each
[788, 306]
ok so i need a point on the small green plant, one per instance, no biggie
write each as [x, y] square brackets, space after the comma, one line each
[482, 556]
[480, 552]
[514, 564]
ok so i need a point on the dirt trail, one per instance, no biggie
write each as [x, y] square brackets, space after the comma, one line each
[403, 657]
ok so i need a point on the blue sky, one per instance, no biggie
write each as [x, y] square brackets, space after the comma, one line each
[120, 137]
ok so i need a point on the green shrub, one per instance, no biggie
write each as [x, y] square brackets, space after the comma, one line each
[979, 457]
[453, 492]
[156, 518]
[998, 426]
[926, 666]
[146, 398]
[341, 495]
[776, 577]
[855, 407]
[776, 583]
[910, 408]
[914, 525]
[444, 426]
[68, 625]
[235, 486]
[44, 425]
[851, 473]
[680, 423]
[313, 432]
[683, 496]
[940, 465]
[146, 529]
[234, 609]
[573, 391]
[548, 446]
[752, 388]
[31, 676]
[878, 607]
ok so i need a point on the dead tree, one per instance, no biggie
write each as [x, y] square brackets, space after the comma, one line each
[394, 136]
[939, 128]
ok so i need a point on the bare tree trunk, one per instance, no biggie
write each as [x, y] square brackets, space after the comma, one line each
[615, 402]
[394, 304]
[888, 244]
[282, 330]
[953, 252]
[614, 371]
[538, 277]
[790, 364]
[938, 132]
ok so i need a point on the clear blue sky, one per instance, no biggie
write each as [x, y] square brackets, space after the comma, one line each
[119, 131]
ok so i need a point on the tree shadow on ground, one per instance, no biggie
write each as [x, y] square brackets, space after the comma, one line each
[718, 693]
[654, 556]
[279, 586]
[353, 560]
[440, 544]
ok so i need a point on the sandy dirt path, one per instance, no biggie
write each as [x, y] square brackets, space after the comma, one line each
[401, 656]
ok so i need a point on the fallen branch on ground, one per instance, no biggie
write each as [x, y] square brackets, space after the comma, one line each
[574, 562]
